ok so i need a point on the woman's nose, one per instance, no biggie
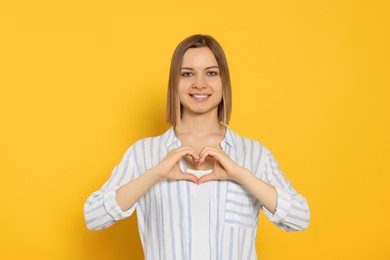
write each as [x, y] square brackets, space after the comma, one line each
[199, 82]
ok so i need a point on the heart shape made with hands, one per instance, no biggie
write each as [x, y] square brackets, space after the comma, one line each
[192, 163]
[217, 170]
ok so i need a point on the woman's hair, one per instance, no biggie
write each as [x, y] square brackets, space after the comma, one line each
[174, 108]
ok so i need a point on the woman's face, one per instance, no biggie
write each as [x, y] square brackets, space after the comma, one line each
[200, 85]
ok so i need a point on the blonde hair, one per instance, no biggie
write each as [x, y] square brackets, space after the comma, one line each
[174, 108]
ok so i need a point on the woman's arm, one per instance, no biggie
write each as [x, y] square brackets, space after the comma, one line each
[226, 169]
[265, 193]
[168, 168]
[281, 203]
[118, 196]
[292, 211]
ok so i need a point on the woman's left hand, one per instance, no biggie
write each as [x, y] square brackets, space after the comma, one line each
[224, 168]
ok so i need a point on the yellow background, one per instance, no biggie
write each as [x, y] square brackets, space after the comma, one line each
[83, 80]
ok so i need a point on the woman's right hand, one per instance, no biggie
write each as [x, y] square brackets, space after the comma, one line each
[169, 167]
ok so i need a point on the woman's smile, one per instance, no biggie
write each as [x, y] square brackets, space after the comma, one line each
[200, 97]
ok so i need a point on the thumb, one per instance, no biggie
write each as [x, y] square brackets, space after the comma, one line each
[207, 177]
[188, 177]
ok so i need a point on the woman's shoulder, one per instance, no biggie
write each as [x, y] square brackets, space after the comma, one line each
[244, 143]
[154, 141]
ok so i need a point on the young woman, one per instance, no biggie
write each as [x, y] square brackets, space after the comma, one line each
[199, 187]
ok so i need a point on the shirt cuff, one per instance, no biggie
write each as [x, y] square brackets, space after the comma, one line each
[282, 207]
[112, 207]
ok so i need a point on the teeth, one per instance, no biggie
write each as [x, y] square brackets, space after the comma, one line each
[200, 96]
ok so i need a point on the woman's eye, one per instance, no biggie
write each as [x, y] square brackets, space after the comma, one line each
[212, 73]
[186, 74]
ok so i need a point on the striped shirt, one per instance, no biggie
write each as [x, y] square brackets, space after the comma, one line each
[164, 213]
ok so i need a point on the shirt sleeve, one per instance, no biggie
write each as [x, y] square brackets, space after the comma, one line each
[101, 209]
[292, 210]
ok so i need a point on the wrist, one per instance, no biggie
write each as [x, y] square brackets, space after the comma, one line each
[155, 174]
[240, 174]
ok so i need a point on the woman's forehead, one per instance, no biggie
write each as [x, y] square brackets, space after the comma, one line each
[199, 57]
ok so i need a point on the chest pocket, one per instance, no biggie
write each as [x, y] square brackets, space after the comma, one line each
[239, 207]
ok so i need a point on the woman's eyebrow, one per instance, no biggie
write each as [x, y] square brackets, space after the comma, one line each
[188, 68]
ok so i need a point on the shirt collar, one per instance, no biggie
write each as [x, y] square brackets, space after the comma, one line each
[230, 137]
[171, 139]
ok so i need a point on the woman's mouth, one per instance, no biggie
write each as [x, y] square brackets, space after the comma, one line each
[200, 97]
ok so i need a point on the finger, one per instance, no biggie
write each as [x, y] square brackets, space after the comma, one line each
[207, 177]
[188, 150]
[212, 152]
[203, 154]
[177, 155]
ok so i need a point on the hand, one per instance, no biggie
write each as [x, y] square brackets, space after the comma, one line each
[169, 167]
[224, 168]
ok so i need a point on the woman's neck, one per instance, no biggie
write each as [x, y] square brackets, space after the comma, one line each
[200, 125]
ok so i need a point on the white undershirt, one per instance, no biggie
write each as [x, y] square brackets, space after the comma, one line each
[200, 204]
